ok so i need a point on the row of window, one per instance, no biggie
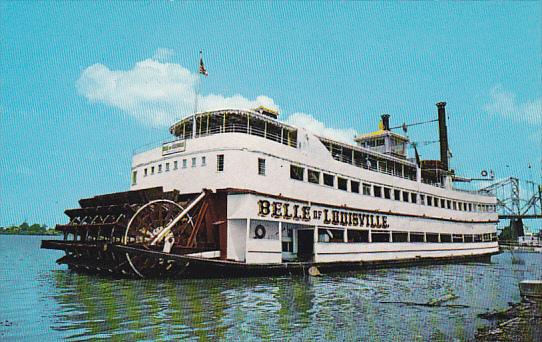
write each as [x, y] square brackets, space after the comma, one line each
[168, 166]
[317, 177]
[337, 235]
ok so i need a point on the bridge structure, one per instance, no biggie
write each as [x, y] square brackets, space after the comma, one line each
[516, 205]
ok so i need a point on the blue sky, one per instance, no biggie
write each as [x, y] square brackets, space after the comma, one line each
[83, 84]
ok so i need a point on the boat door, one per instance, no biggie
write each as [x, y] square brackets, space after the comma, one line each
[305, 244]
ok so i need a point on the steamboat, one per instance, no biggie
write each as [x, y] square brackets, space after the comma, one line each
[240, 193]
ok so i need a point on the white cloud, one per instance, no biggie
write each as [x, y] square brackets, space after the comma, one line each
[155, 92]
[505, 104]
[317, 127]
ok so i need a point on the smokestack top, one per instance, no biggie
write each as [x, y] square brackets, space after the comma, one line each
[443, 134]
[385, 122]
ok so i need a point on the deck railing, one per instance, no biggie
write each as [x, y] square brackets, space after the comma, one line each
[292, 142]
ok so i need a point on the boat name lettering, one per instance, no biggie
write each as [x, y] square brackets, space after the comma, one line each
[173, 147]
[297, 212]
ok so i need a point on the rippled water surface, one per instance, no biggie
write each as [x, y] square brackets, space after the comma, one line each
[40, 300]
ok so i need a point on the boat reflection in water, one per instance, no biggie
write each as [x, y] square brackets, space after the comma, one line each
[336, 306]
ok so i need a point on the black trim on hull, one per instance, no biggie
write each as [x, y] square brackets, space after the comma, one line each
[195, 267]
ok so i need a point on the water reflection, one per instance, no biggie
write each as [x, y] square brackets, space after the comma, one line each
[47, 301]
[202, 309]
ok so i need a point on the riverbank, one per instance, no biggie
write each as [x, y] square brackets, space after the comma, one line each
[519, 322]
[26, 229]
[46, 233]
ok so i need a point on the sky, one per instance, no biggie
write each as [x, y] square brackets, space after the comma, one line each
[85, 84]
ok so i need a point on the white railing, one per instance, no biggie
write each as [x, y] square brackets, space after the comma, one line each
[243, 129]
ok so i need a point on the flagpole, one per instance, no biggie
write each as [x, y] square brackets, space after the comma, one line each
[196, 88]
[201, 71]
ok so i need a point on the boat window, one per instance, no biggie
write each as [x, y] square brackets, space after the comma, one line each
[417, 237]
[454, 205]
[367, 189]
[468, 238]
[134, 178]
[145, 173]
[448, 204]
[287, 246]
[261, 166]
[203, 161]
[459, 206]
[314, 176]
[442, 203]
[414, 197]
[330, 235]
[167, 167]
[422, 199]
[152, 170]
[342, 184]
[429, 200]
[377, 191]
[397, 195]
[477, 238]
[387, 193]
[194, 162]
[184, 163]
[470, 206]
[219, 162]
[431, 237]
[355, 235]
[405, 196]
[296, 172]
[435, 202]
[399, 237]
[378, 236]
[354, 186]
[445, 238]
[457, 238]
[159, 168]
[175, 165]
[329, 179]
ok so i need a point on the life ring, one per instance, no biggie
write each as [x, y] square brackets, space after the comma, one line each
[484, 173]
[259, 232]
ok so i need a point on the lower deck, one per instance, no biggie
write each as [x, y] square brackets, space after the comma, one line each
[264, 230]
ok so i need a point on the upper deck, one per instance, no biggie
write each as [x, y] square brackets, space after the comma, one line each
[264, 123]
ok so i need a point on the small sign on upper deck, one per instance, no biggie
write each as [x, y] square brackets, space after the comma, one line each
[173, 147]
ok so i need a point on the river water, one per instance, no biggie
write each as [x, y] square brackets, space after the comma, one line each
[40, 300]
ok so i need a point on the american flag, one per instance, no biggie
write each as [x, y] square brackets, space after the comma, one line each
[202, 69]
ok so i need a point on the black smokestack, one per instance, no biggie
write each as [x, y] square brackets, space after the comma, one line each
[386, 121]
[443, 134]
